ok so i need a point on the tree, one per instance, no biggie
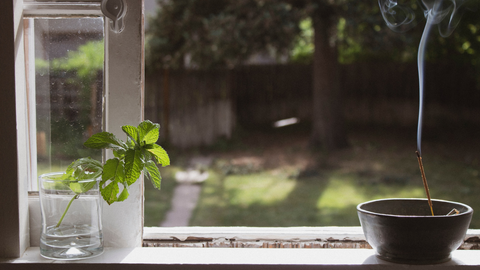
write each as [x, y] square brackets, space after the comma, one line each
[219, 33]
[328, 130]
[224, 33]
[340, 24]
[214, 33]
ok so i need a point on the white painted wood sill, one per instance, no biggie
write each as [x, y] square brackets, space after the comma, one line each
[241, 258]
[232, 258]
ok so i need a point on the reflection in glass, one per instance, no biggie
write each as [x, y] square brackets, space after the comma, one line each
[68, 66]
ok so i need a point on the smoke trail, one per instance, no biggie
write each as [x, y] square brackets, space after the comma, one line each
[421, 68]
[399, 18]
[444, 13]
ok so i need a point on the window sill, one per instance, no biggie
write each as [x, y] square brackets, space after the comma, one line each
[255, 237]
[228, 258]
[269, 237]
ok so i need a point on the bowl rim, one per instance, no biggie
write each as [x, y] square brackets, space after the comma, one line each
[359, 209]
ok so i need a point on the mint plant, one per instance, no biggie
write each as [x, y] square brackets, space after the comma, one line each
[75, 178]
[138, 154]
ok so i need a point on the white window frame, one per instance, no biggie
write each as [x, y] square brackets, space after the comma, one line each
[124, 244]
[124, 90]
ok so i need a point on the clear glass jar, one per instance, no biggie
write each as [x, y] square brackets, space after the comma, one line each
[71, 218]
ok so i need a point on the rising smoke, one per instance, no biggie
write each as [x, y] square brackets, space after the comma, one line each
[446, 14]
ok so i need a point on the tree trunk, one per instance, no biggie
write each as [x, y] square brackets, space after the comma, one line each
[328, 125]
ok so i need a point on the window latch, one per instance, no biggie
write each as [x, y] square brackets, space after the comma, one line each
[115, 10]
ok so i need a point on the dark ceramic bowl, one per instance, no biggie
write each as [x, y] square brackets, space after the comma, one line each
[404, 230]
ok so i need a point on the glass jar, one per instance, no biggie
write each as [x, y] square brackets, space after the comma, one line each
[71, 218]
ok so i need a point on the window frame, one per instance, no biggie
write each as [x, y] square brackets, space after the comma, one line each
[126, 252]
[14, 218]
[123, 105]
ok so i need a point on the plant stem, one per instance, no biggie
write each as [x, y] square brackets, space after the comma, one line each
[68, 206]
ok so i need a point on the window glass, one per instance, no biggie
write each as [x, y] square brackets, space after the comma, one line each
[68, 64]
[264, 134]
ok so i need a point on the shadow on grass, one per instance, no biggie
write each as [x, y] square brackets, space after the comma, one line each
[327, 199]
[298, 208]
[380, 164]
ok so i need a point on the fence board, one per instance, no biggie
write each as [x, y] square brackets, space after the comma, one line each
[198, 106]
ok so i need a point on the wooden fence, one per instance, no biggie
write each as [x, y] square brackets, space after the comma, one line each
[197, 107]
[193, 107]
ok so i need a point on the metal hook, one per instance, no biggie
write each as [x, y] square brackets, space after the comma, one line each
[115, 10]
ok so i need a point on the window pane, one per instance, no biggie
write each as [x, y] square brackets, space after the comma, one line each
[68, 81]
[245, 103]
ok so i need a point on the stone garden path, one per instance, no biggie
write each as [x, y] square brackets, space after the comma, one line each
[187, 192]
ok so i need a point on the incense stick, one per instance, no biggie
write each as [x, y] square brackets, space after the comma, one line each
[453, 212]
[425, 184]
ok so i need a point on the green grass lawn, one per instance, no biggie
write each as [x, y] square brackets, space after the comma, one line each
[272, 178]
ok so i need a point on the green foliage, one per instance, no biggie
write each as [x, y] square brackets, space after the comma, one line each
[105, 140]
[79, 71]
[139, 153]
[219, 33]
[224, 33]
[80, 170]
[79, 177]
[349, 48]
[462, 46]
[214, 33]
[304, 48]
[86, 61]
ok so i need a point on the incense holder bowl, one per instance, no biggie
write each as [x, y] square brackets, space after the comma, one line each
[404, 230]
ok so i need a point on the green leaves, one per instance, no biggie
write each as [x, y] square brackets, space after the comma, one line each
[152, 173]
[109, 192]
[160, 155]
[131, 133]
[80, 176]
[133, 165]
[139, 153]
[80, 188]
[104, 140]
[113, 170]
[114, 173]
[83, 168]
[148, 133]
[79, 171]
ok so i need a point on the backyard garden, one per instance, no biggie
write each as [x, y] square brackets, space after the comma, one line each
[272, 177]
[265, 176]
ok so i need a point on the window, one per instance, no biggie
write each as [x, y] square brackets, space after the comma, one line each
[123, 97]
[65, 75]
[124, 83]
